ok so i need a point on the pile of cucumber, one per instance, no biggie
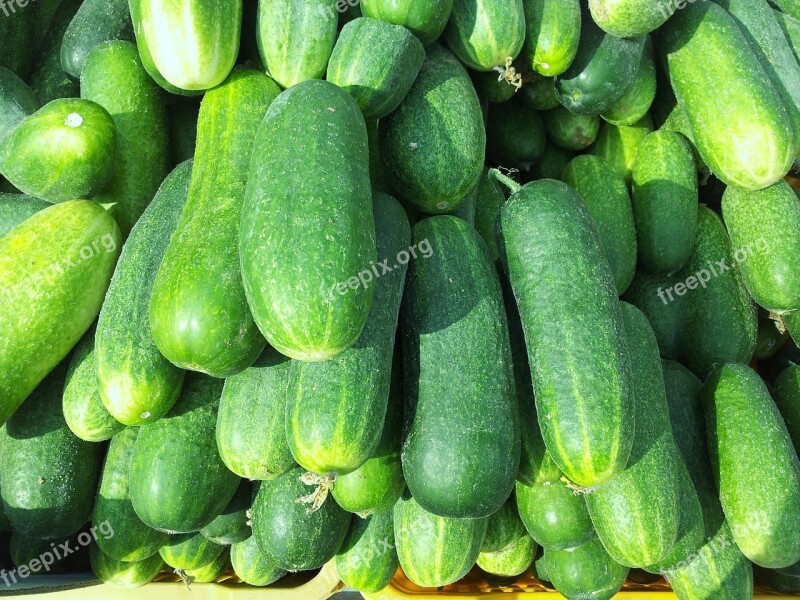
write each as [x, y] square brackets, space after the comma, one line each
[426, 284]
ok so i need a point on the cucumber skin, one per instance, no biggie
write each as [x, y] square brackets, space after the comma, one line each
[378, 81]
[295, 39]
[585, 571]
[17, 30]
[251, 432]
[425, 20]
[636, 102]
[452, 296]
[251, 566]
[509, 562]
[553, 31]
[210, 572]
[47, 475]
[665, 201]
[189, 551]
[128, 575]
[629, 18]
[54, 236]
[531, 226]
[199, 283]
[503, 528]
[787, 398]
[555, 516]
[705, 29]
[48, 80]
[17, 101]
[367, 560]
[620, 145]
[483, 34]
[16, 208]
[664, 316]
[232, 524]
[766, 226]
[515, 136]
[434, 144]
[791, 29]
[609, 203]
[570, 131]
[137, 385]
[113, 77]
[488, 201]
[323, 398]
[169, 489]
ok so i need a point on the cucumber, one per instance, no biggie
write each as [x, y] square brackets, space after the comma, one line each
[426, 20]
[54, 268]
[553, 162]
[42, 556]
[17, 102]
[325, 314]
[16, 208]
[554, 514]
[787, 398]
[199, 315]
[791, 29]
[120, 574]
[295, 39]
[586, 426]
[772, 335]
[648, 293]
[745, 432]
[190, 551]
[553, 32]
[377, 81]
[515, 136]
[192, 44]
[433, 145]
[604, 69]
[178, 482]
[493, 88]
[47, 475]
[511, 561]
[367, 561]
[290, 536]
[232, 524]
[503, 528]
[539, 92]
[752, 111]
[63, 151]
[17, 30]
[634, 105]
[137, 384]
[489, 200]
[457, 361]
[210, 572]
[609, 203]
[435, 551]
[323, 398]
[83, 409]
[95, 22]
[585, 571]
[620, 145]
[790, 7]
[665, 196]
[48, 80]
[484, 34]
[719, 321]
[629, 18]
[132, 540]
[113, 77]
[764, 227]
[570, 131]
[251, 566]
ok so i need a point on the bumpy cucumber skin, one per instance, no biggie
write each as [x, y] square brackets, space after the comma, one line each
[539, 92]
[40, 262]
[189, 551]
[636, 102]
[488, 201]
[492, 88]
[129, 575]
[609, 203]
[232, 524]
[552, 163]
[791, 29]
[755, 466]
[586, 425]
[17, 101]
[752, 111]
[210, 572]
[48, 80]
[553, 514]
[553, 31]
[367, 560]
[629, 18]
[585, 571]
[765, 225]
[95, 22]
[503, 528]
[665, 201]
[199, 315]
[571, 131]
[136, 383]
[434, 144]
[787, 398]
[620, 145]
[484, 33]
[515, 136]
[664, 316]
[512, 560]
[426, 20]
[16, 208]
[251, 566]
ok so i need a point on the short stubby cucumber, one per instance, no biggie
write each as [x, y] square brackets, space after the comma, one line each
[515, 136]
[251, 566]
[367, 561]
[483, 34]
[552, 35]
[128, 575]
[426, 20]
[629, 18]
[585, 571]
[570, 131]
[640, 95]
[554, 514]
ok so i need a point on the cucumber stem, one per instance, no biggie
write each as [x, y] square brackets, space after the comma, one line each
[501, 177]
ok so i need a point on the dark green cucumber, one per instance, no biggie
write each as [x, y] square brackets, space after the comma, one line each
[783, 583]
[17, 101]
[251, 431]
[95, 22]
[426, 20]
[493, 88]
[489, 200]
[178, 482]
[484, 34]
[320, 315]
[435, 551]
[665, 193]
[335, 408]
[553, 31]
[54, 268]
[772, 335]
[83, 409]
[433, 145]
[764, 227]
[515, 136]
[604, 69]
[137, 384]
[553, 162]
[609, 203]
[787, 398]
[232, 524]
[585, 572]
[44, 556]
[199, 314]
[719, 321]
[377, 80]
[113, 77]
[636, 102]
[586, 425]
[753, 110]
[251, 566]
[571, 131]
[47, 475]
[629, 18]
[457, 370]
[554, 514]
[63, 151]
[17, 31]
[511, 561]
[789, 7]
[210, 572]
[16, 208]
[620, 145]
[189, 551]
[132, 539]
[128, 575]
[291, 536]
[48, 79]
[503, 528]
[746, 432]
[648, 293]
[367, 560]
[295, 39]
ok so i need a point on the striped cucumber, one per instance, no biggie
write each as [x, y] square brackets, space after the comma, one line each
[554, 514]
[367, 560]
[251, 566]
[483, 34]
[552, 36]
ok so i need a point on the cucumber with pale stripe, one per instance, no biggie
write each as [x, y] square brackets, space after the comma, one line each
[483, 34]
[367, 560]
